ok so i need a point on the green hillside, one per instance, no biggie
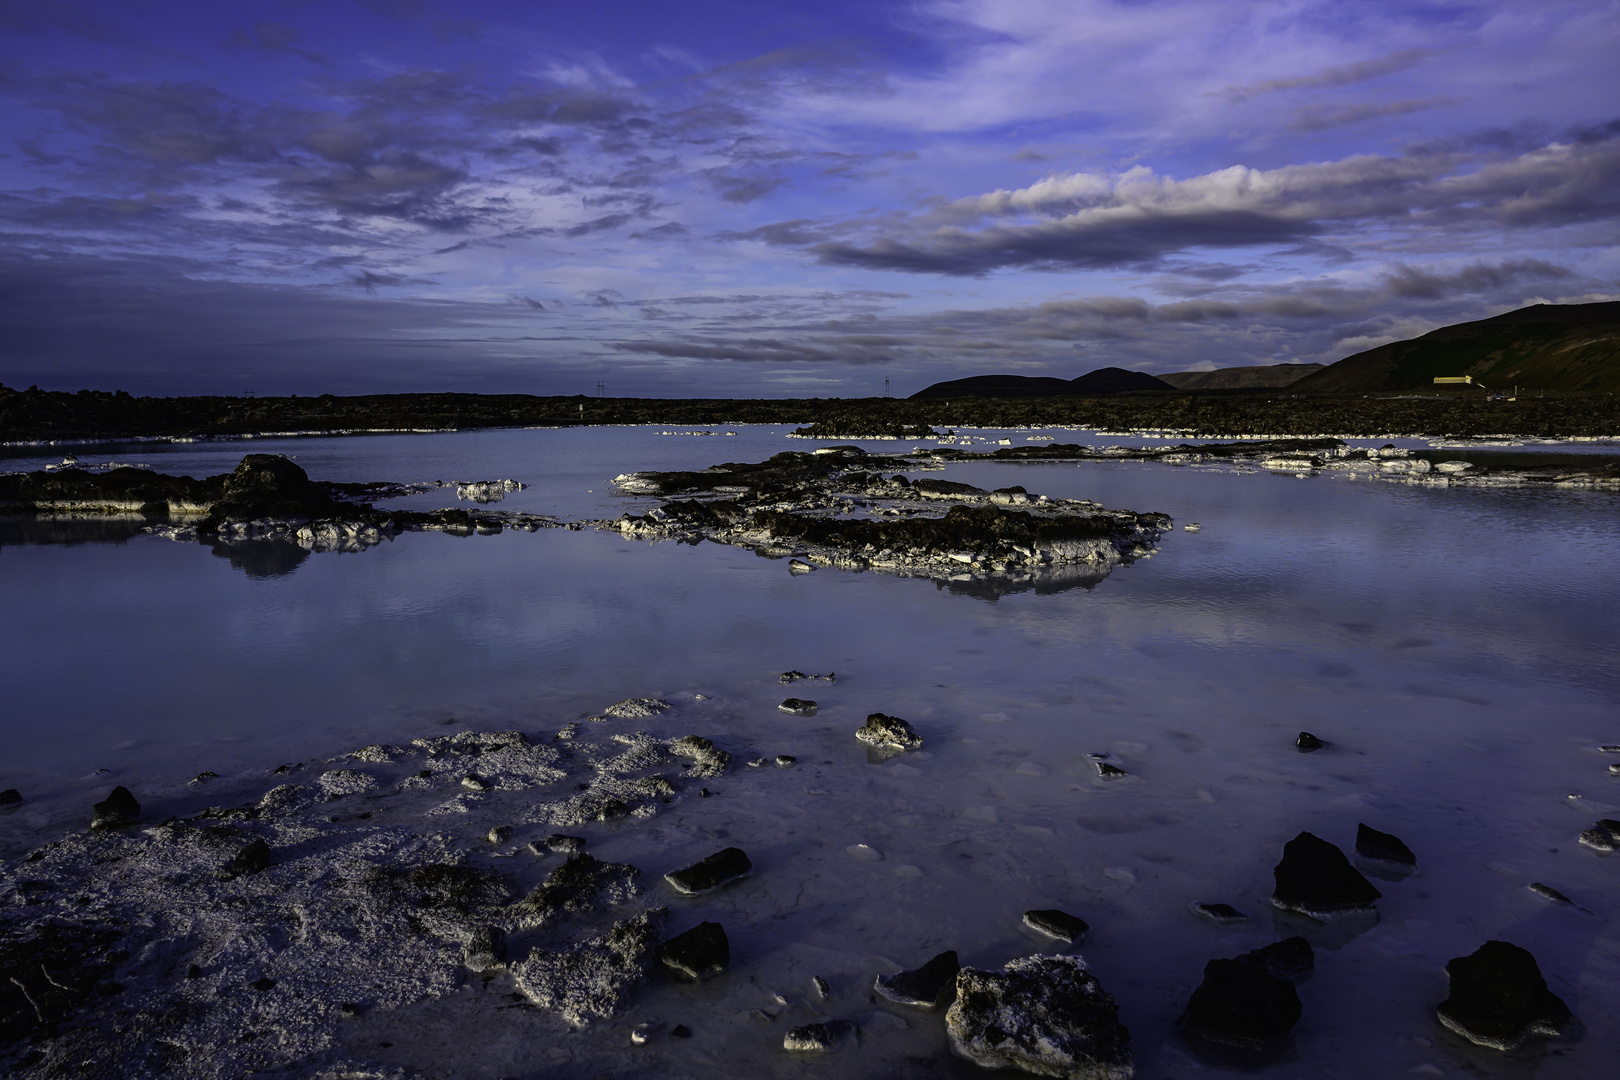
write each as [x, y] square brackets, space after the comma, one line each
[1569, 347]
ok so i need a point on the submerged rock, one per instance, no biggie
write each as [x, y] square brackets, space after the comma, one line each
[1290, 958]
[821, 1038]
[798, 706]
[1384, 848]
[590, 980]
[118, 808]
[888, 733]
[1315, 879]
[1603, 836]
[700, 953]
[1220, 914]
[1242, 1006]
[921, 986]
[707, 875]
[637, 708]
[1043, 1014]
[795, 675]
[1499, 999]
[1069, 929]
[1307, 743]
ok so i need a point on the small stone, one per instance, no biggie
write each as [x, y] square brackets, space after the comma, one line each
[474, 783]
[822, 988]
[798, 706]
[10, 797]
[118, 808]
[1602, 837]
[1547, 892]
[1290, 958]
[707, 875]
[1382, 847]
[888, 733]
[792, 676]
[348, 1010]
[786, 761]
[1107, 771]
[643, 1032]
[680, 1031]
[1610, 748]
[253, 858]
[759, 763]
[1241, 1006]
[1499, 999]
[1043, 1014]
[558, 844]
[923, 986]
[1315, 879]
[424, 774]
[700, 953]
[203, 777]
[799, 566]
[264, 984]
[1614, 770]
[820, 1038]
[1220, 914]
[193, 971]
[500, 834]
[485, 950]
[1069, 929]
[1307, 743]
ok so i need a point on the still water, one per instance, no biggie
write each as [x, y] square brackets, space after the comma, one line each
[1457, 647]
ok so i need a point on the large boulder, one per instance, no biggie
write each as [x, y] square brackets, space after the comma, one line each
[884, 732]
[922, 986]
[271, 486]
[1499, 999]
[1046, 1015]
[1315, 879]
[1242, 1006]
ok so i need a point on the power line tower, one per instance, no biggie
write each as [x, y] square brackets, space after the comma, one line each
[601, 390]
[885, 387]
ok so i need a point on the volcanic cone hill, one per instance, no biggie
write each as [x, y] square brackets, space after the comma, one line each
[1562, 347]
[1108, 380]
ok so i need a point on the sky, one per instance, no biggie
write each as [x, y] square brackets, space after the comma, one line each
[716, 198]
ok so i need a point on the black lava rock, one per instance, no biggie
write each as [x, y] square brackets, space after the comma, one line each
[1241, 1006]
[1315, 879]
[718, 869]
[798, 706]
[1307, 743]
[818, 1038]
[1603, 837]
[1067, 928]
[559, 844]
[1291, 958]
[1499, 999]
[922, 986]
[680, 1031]
[701, 953]
[1382, 847]
[485, 950]
[1220, 914]
[10, 797]
[118, 808]
[254, 858]
[888, 733]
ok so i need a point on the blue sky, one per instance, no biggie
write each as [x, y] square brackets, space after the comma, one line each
[767, 200]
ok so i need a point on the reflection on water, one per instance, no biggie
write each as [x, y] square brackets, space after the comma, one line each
[262, 558]
[86, 529]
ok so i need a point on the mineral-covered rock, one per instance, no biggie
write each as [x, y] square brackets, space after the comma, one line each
[706, 875]
[1382, 847]
[118, 808]
[637, 708]
[798, 707]
[707, 760]
[485, 949]
[921, 986]
[1315, 879]
[253, 858]
[1070, 929]
[888, 733]
[1499, 999]
[1046, 1015]
[819, 1038]
[589, 980]
[700, 953]
[1242, 1006]
[1220, 914]
[1602, 837]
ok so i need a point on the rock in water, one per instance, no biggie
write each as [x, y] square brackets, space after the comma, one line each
[1220, 914]
[888, 733]
[118, 808]
[485, 950]
[798, 706]
[1382, 847]
[923, 986]
[1241, 1006]
[1046, 1015]
[1290, 958]
[701, 953]
[1306, 743]
[10, 797]
[1499, 999]
[818, 1038]
[1315, 879]
[1069, 929]
[707, 875]
[589, 980]
[1602, 837]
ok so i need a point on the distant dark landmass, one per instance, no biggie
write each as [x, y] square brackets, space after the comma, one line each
[1558, 347]
[1108, 380]
[1262, 377]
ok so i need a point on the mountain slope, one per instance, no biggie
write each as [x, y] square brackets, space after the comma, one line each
[1263, 377]
[1108, 380]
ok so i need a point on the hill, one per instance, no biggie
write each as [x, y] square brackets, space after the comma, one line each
[1108, 380]
[1561, 347]
[1264, 377]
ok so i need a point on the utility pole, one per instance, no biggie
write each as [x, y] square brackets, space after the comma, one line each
[885, 387]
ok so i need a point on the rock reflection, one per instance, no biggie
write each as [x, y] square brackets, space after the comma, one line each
[261, 559]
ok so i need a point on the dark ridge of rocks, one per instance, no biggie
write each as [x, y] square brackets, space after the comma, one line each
[1069, 929]
[989, 531]
[1043, 1014]
[1315, 879]
[858, 428]
[884, 732]
[1603, 837]
[697, 954]
[1220, 914]
[707, 875]
[820, 1038]
[1291, 958]
[1241, 1006]
[118, 808]
[798, 707]
[582, 883]
[795, 676]
[922, 986]
[1307, 743]
[1499, 999]
[1383, 847]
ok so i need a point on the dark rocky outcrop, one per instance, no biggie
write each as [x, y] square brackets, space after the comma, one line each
[1314, 878]
[1307, 743]
[922, 986]
[798, 707]
[271, 486]
[253, 858]
[1069, 929]
[884, 732]
[1043, 1014]
[700, 953]
[589, 980]
[1291, 958]
[1242, 1006]
[485, 950]
[10, 797]
[1220, 914]
[709, 874]
[821, 1038]
[118, 808]
[1603, 837]
[581, 884]
[1499, 999]
[1382, 847]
